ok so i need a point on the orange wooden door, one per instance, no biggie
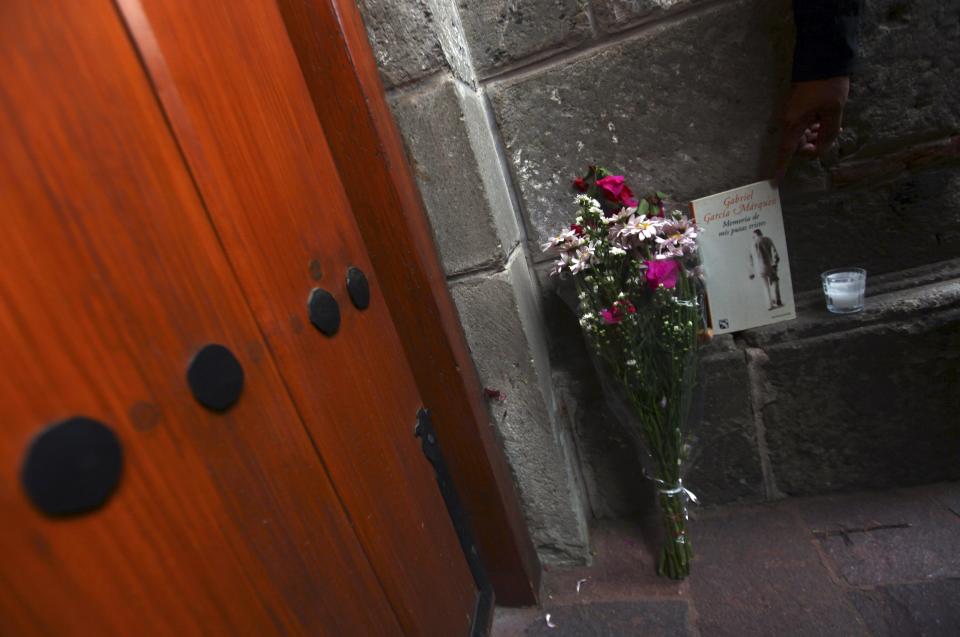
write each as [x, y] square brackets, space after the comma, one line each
[164, 184]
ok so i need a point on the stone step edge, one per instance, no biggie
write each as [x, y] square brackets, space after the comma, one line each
[927, 295]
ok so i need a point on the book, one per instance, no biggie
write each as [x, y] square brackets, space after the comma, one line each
[743, 249]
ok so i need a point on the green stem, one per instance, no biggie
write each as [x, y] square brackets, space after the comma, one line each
[662, 340]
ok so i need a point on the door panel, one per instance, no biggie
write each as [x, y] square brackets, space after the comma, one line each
[231, 86]
[111, 278]
[387, 207]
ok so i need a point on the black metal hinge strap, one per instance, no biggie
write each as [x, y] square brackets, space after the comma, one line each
[461, 523]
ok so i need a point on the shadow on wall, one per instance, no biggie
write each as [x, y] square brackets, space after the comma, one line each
[912, 220]
[607, 454]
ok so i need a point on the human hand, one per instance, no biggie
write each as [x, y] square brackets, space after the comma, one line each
[811, 119]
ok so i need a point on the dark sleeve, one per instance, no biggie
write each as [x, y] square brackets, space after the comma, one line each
[828, 33]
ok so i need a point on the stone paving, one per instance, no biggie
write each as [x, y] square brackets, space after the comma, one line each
[875, 563]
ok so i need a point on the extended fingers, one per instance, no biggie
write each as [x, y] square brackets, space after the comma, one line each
[829, 129]
[808, 142]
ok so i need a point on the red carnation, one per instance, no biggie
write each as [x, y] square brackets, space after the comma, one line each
[614, 189]
[615, 314]
[626, 197]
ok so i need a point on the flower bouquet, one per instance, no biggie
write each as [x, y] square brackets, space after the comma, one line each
[638, 283]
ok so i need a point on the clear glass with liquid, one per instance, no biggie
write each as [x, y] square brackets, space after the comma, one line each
[843, 289]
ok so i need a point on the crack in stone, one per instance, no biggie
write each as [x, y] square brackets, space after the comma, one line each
[847, 532]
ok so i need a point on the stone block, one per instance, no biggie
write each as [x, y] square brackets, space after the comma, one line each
[867, 402]
[459, 172]
[607, 455]
[904, 89]
[687, 107]
[724, 465]
[609, 461]
[499, 33]
[907, 222]
[755, 572]
[404, 39]
[452, 40]
[504, 355]
[931, 609]
[530, 308]
[614, 15]
[607, 458]
[875, 539]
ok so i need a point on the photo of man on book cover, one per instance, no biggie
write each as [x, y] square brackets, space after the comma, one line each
[764, 260]
[743, 247]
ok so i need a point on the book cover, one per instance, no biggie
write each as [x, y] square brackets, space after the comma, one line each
[743, 247]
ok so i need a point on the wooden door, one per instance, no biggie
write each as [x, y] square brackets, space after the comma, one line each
[165, 184]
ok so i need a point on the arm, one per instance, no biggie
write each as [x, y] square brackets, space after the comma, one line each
[827, 38]
[825, 52]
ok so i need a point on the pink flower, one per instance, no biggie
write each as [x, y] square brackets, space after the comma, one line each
[611, 186]
[580, 184]
[617, 312]
[615, 190]
[662, 272]
[610, 316]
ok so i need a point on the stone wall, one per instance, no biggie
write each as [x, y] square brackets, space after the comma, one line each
[502, 103]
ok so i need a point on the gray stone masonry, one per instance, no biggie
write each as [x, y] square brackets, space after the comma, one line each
[869, 400]
[449, 32]
[911, 220]
[818, 404]
[501, 104]
[724, 464]
[615, 15]
[415, 39]
[454, 159]
[664, 107]
[883, 564]
[904, 90]
[404, 38]
[499, 33]
[491, 309]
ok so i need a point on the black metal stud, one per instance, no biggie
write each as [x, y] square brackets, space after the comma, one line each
[358, 287]
[215, 377]
[72, 467]
[324, 311]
